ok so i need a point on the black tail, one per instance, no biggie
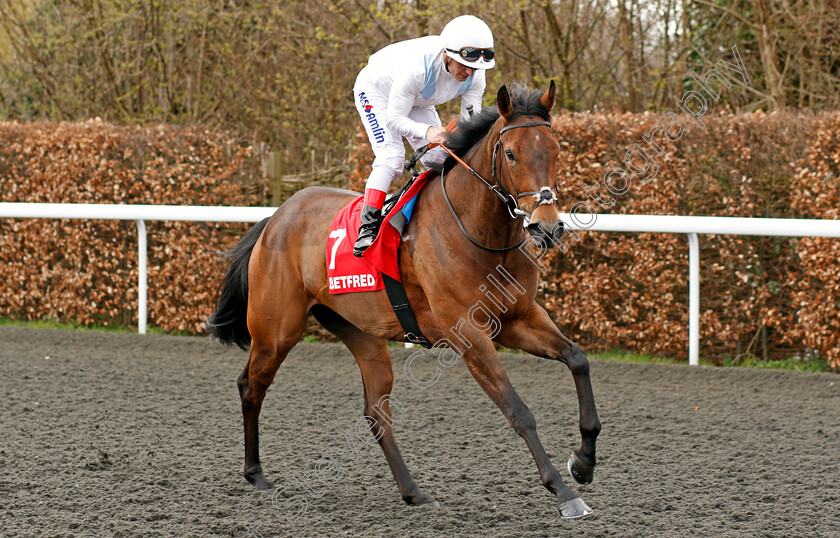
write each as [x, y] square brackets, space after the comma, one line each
[229, 321]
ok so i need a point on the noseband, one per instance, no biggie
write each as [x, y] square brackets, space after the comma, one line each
[543, 196]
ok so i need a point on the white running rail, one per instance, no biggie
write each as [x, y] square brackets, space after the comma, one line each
[140, 214]
[691, 226]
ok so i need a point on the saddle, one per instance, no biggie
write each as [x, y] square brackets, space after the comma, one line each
[379, 266]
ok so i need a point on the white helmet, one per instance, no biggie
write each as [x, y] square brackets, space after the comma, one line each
[469, 41]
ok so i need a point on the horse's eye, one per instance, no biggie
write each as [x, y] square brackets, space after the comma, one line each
[509, 153]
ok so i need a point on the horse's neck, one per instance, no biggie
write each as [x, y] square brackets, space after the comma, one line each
[480, 210]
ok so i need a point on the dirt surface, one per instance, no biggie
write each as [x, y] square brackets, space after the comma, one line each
[129, 435]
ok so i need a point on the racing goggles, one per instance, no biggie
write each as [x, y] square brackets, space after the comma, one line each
[472, 54]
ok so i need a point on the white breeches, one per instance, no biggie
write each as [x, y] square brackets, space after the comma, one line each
[388, 146]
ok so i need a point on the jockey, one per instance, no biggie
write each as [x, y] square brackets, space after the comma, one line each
[396, 94]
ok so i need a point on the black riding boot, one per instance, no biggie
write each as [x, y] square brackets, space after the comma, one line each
[371, 218]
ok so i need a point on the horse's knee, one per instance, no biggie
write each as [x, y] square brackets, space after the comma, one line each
[576, 361]
[522, 420]
[378, 407]
[379, 427]
[381, 385]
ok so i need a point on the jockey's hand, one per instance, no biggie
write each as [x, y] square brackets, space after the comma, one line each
[436, 135]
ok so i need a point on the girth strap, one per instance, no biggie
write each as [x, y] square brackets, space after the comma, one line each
[399, 302]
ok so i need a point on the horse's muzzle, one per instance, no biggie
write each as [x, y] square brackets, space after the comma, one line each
[545, 237]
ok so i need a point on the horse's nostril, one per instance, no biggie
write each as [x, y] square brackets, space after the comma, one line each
[545, 236]
[541, 235]
[536, 228]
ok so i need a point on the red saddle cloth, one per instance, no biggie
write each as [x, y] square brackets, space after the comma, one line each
[347, 273]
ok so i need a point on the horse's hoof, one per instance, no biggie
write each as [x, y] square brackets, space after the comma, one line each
[421, 499]
[581, 472]
[574, 509]
[264, 485]
[258, 479]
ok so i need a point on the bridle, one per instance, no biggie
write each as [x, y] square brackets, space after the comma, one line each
[544, 196]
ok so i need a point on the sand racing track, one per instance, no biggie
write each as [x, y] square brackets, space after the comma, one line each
[130, 435]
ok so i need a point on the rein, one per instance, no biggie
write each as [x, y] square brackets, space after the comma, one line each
[544, 195]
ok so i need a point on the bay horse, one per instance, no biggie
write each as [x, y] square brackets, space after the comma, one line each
[276, 277]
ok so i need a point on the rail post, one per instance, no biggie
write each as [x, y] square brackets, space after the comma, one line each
[693, 299]
[142, 277]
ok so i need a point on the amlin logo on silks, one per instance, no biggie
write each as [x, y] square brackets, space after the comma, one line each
[371, 119]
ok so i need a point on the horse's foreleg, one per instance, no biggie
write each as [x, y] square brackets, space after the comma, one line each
[374, 361]
[486, 367]
[378, 380]
[537, 334]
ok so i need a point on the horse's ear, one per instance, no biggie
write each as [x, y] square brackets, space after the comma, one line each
[503, 102]
[547, 99]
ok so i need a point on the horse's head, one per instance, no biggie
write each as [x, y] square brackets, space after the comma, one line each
[524, 159]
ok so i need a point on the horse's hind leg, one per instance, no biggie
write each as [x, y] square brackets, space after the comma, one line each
[273, 334]
[374, 361]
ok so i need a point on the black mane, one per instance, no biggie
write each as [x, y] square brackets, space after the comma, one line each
[525, 103]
